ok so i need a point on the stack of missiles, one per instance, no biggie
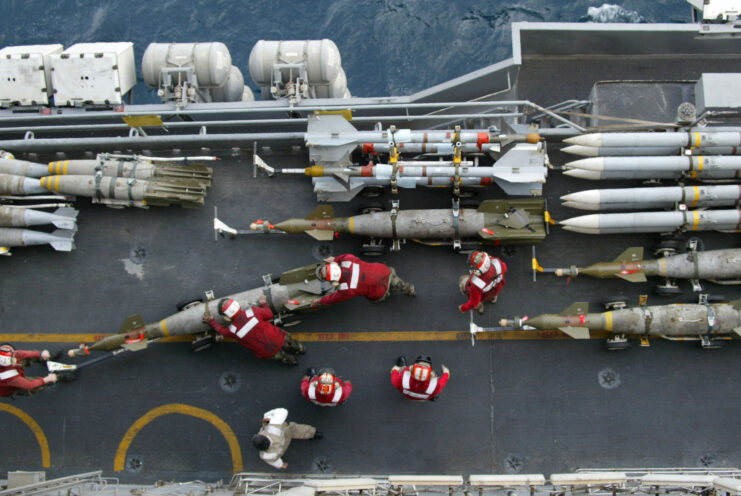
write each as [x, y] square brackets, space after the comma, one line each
[713, 156]
[113, 180]
[520, 167]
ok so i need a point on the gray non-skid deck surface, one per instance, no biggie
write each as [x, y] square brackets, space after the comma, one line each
[528, 406]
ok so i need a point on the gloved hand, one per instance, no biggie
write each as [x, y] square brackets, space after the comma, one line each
[446, 370]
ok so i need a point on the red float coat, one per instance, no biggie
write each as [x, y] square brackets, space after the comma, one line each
[416, 390]
[341, 392]
[13, 378]
[253, 331]
[359, 279]
[486, 286]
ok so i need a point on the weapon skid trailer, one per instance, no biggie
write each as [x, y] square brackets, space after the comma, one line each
[288, 295]
[493, 222]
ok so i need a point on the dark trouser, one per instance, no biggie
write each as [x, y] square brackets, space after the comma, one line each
[291, 347]
[397, 285]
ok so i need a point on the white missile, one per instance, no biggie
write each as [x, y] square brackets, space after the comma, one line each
[63, 217]
[60, 240]
[644, 222]
[615, 151]
[699, 164]
[678, 139]
[659, 197]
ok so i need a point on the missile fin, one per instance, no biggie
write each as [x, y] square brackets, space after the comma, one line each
[578, 308]
[342, 178]
[64, 240]
[321, 212]
[136, 345]
[632, 277]
[320, 234]
[575, 332]
[632, 254]
[70, 222]
[132, 322]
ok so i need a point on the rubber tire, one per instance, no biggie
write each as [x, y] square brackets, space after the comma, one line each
[372, 191]
[664, 291]
[371, 207]
[617, 346]
[470, 203]
[610, 302]
[373, 250]
[201, 344]
[187, 303]
[467, 193]
[667, 247]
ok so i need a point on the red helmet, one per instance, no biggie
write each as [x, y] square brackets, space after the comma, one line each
[6, 355]
[331, 272]
[326, 384]
[480, 262]
[228, 308]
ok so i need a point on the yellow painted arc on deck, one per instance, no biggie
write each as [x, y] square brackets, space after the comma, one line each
[179, 408]
[35, 428]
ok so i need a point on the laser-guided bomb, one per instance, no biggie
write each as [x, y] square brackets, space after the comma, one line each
[496, 222]
[702, 321]
[718, 266]
[288, 295]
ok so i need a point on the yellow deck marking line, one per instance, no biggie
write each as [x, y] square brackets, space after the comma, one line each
[329, 337]
[35, 428]
[192, 411]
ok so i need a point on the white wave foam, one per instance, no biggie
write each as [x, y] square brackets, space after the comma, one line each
[613, 13]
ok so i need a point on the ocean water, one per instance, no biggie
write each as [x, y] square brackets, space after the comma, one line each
[388, 47]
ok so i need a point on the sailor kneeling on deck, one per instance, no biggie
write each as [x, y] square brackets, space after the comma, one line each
[325, 388]
[354, 277]
[485, 281]
[13, 378]
[276, 434]
[418, 381]
[255, 332]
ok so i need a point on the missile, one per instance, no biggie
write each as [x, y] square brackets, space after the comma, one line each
[11, 184]
[679, 320]
[60, 240]
[63, 217]
[712, 265]
[427, 148]
[643, 222]
[335, 130]
[658, 197]
[293, 293]
[605, 151]
[695, 167]
[494, 222]
[673, 139]
[121, 191]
